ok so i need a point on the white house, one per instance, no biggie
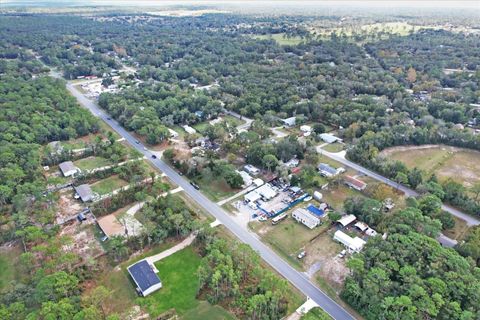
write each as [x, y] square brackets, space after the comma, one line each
[258, 182]
[292, 163]
[252, 196]
[68, 168]
[307, 130]
[289, 122]
[352, 244]
[251, 169]
[189, 129]
[329, 138]
[305, 217]
[247, 179]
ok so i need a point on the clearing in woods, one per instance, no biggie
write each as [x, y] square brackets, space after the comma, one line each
[461, 165]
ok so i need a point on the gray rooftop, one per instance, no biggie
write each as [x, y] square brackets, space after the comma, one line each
[85, 192]
[67, 166]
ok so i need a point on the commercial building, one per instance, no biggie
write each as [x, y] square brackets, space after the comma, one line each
[352, 244]
[145, 278]
[266, 191]
[306, 218]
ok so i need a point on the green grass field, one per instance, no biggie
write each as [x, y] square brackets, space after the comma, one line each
[178, 274]
[334, 147]
[279, 38]
[215, 189]
[91, 163]
[108, 185]
[316, 314]
[461, 165]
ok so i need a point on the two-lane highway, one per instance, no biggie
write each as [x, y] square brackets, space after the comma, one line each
[298, 279]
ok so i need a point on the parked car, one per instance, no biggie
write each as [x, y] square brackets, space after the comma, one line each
[194, 185]
[154, 156]
[342, 253]
[137, 142]
[302, 255]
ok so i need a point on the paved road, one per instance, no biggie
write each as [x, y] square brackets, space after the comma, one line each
[298, 279]
[471, 221]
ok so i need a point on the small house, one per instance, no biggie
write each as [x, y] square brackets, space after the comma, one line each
[292, 163]
[189, 129]
[306, 218]
[258, 182]
[306, 129]
[326, 170]
[289, 122]
[329, 138]
[352, 244]
[266, 191]
[247, 179]
[346, 220]
[320, 213]
[252, 170]
[84, 192]
[355, 183]
[68, 168]
[145, 278]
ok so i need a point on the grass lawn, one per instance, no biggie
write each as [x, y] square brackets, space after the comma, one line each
[335, 197]
[316, 314]
[205, 310]
[287, 238]
[279, 38]
[334, 147]
[8, 261]
[178, 273]
[91, 163]
[215, 189]
[201, 126]
[459, 231]
[108, 185]
[461, 165]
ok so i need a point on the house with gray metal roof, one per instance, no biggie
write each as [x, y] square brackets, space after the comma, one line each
[145, 278]
[84, 192]
[68, 168]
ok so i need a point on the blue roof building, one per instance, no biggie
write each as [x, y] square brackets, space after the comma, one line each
[145, 278]
[327, 170]
[316, 211]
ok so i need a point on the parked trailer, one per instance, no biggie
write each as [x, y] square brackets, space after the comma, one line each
[279, 218]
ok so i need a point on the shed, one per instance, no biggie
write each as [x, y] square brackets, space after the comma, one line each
[370, 232]
[329, 138]
[68, 168]
[362, 226]
[84, 192]
[305, 128]
[145, 278]
[189, 129]
[295, 189]
[352, 244]
[306, 218]
[347, 219]
[258, 182]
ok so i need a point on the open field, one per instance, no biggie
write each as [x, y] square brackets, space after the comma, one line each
[91, 163]
[108, 185]
[461, 165]
[279, 38]
[316, 314]
[334, 147]
[215, 189]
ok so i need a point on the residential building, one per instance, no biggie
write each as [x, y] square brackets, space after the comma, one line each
[306, 129]
[320, 213]
[247, 179]
[84, 192]
[355, 183]
[252, 170]
[306, 218]
[189, 129]
[292, 163]
[352, 244]
[145, 278]
[326, 170]
[346, 220]
[68, 168]
[329, 138]
[289, 122]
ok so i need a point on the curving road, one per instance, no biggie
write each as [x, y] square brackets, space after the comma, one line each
[340, 157]
[298, 279]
